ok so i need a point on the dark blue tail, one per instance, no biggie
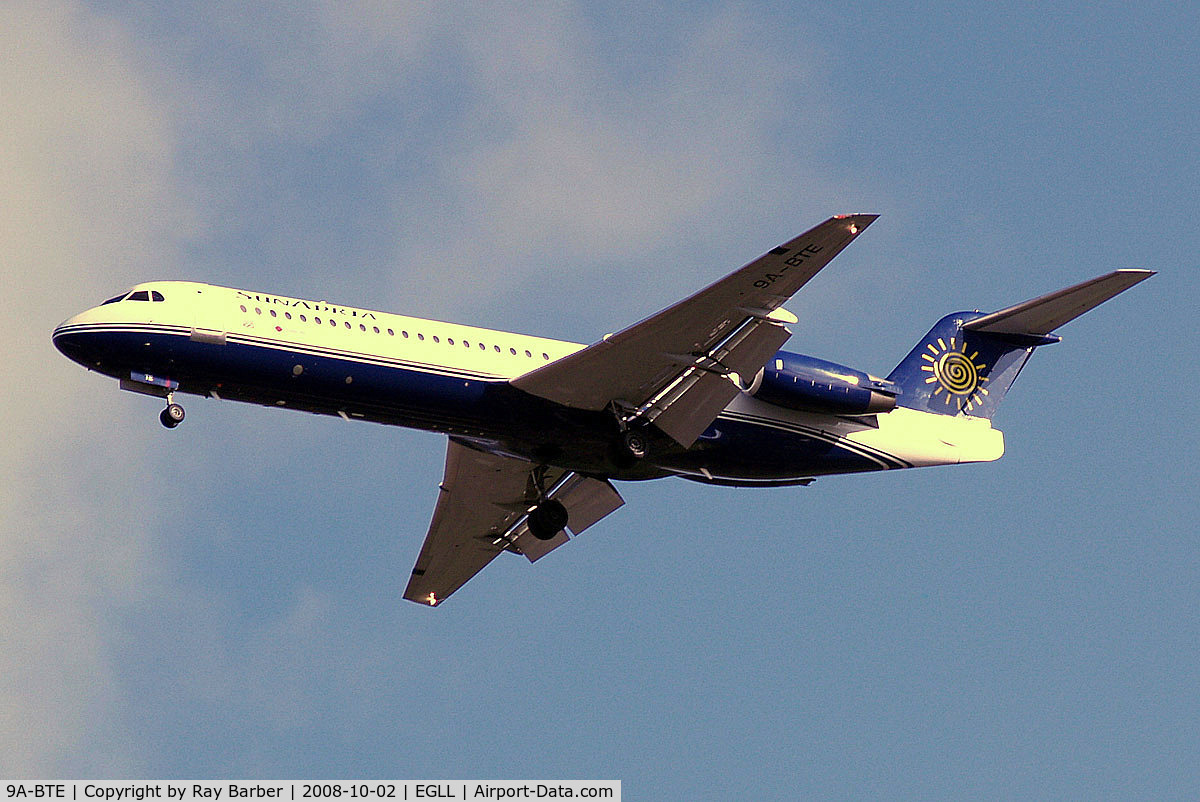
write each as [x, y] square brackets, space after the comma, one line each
[967, 362]
[954, 371]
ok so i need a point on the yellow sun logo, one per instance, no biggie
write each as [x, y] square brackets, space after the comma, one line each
[955, 373]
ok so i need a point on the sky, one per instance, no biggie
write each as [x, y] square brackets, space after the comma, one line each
[223, 600]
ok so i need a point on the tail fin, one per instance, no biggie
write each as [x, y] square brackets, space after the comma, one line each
[968, 360]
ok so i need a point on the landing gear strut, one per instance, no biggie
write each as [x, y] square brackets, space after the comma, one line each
[630, 443]
[549, 516]
[172, 416]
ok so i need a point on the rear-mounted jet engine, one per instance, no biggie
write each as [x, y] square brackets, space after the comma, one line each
[814, 385]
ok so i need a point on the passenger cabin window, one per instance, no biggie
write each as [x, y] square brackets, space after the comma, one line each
[140, 295]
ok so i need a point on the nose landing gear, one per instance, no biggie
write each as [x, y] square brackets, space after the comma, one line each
[172, 416]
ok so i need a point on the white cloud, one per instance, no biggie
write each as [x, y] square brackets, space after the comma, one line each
[584, 158]
[538, 140]
[570, 147]
[549, 148]
[298, 71]
[85, 161]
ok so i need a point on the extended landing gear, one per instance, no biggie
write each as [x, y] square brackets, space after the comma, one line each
[629, 448]
[634, 444]
[547, 519]
[631, 441]
[172, 416]
[549, 516]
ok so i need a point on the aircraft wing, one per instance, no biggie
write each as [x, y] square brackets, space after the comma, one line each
[481, 510]
[674, 367]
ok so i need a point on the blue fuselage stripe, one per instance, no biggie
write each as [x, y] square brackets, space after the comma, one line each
[465, 403]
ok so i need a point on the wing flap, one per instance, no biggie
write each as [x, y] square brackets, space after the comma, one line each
[685, 409]
[535, 549]
[587, 501]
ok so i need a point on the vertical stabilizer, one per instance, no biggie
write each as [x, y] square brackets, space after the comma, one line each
[968, 360]
[953, 371]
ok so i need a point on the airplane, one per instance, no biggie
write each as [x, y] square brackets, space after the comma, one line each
[538, 429]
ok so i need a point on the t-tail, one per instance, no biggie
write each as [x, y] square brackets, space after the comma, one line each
[968, 360]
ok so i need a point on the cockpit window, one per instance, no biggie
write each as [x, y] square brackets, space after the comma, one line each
[115, 299]
[140, 295]
[155, 295]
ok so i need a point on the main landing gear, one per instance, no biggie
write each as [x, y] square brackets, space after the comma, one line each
[550, 516]
[631, 442]
[172, 416]
[547, 519]
[628, 448]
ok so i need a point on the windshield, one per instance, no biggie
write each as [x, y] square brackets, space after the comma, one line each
[140, 295]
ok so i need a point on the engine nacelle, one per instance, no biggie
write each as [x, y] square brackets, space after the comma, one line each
[801, 382]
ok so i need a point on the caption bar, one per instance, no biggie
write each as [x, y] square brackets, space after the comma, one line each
[291, 790]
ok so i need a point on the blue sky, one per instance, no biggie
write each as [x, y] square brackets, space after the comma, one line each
[223, 600]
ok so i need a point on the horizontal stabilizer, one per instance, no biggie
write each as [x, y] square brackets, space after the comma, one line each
[1043, 315]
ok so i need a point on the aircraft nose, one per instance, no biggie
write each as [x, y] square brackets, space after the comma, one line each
[70, 340]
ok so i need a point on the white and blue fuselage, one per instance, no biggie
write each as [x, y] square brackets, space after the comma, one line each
[174, 336]
[538, 428]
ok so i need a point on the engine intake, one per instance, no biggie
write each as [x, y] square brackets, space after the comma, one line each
[801, 382]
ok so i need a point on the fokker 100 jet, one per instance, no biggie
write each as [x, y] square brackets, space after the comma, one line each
[539, 429]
